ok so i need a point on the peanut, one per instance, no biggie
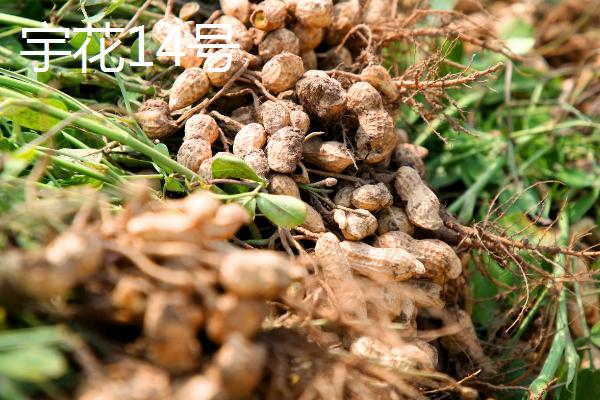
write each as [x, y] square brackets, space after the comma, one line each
[193, 152]
[278, 41]
[251, 137]
[409, 155]
[375, 12]
[439, 259]
[343, 197]
[239, 9]
[313, 221]
[300, 120]
[321, 95]
[240, 365]
[380, 79]
[257, 160]
[155, 119]
[274, 115]
[338, 276]
[189, 10]
[189, 87]
[283, 184]
[394, 219]
[336, 59]
[355, 226]
[239, 32]
[255, 274]
[382, 264]
[284, 150]
[200, 387]
[422, 205]
[282, 72]
[269, 15]
[228, 219]
[372, 197]
[201, 126]
[170, 328]
[314, 13]
[231, 314]
[330, 156]
[346, 14]
[309, 59]
[402, 356]
[376, 136]
[309, 37]
[386, 303]
[219, 78]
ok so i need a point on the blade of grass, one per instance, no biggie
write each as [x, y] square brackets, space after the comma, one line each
[100, 128]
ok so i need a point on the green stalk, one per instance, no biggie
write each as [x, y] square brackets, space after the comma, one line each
[8, 19]
[100, 128]
[78, 168]
[553, 126]
[562, 343]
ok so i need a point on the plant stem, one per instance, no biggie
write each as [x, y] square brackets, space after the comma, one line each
[100, 128]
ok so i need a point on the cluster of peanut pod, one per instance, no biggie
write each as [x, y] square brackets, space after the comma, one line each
[308, 106]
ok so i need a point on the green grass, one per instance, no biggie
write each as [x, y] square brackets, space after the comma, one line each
[520, 133]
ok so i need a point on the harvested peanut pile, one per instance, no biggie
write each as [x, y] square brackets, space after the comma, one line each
[313, 270]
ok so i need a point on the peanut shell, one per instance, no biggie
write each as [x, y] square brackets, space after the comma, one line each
[251, 137]
[269, 15]
[239, 9]
[382, 264]
[274, 116]
[422, 205]
[278, 41]
[282, 72]
[394, 219]
[218, 78]
[201, 126]
[257, 160]
[355, 226]
[439, 259]
[372, 197]
[329, 156]
[284, 150]
[314, 13]
[254, 274]
[321, 95]
[155, 119]
[338, 276]
[193, 152]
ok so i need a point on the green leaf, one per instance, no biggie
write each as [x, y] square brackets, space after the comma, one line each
[588, 385]
[575, 178]
[283, 211]
[161, 147]
[93, 46]
[114, 4]
[250, 204]
[37, 336]
[173, 185]
[579, 208]
[595, 334]
[33, 364]
[36, 120]
[233, 167]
